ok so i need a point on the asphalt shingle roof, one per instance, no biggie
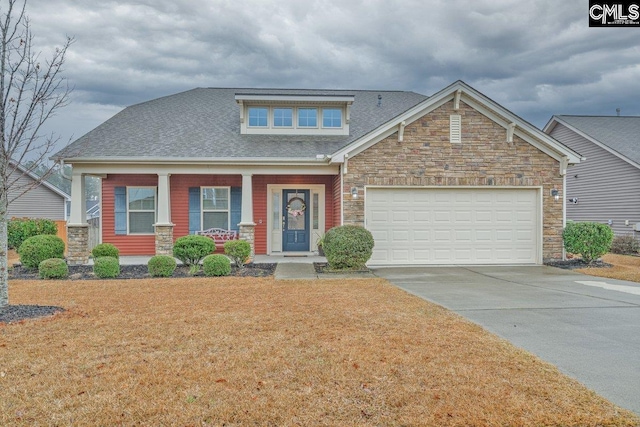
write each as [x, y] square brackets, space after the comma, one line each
[205, 123]
[621, 134]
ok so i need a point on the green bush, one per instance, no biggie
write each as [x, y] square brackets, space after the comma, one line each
[191, 249]
[238, 250]
[105, 249]
[20, 229]
[626, 245]
[161, 266]
[590, 240]
[216, 265]
[53, 268]
[36, 249]
[106, 267]
[348, 247]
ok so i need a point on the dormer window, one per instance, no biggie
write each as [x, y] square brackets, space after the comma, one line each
[283, 117]
[294, 114]
[331, 118]
[258, 116]
[307, 117]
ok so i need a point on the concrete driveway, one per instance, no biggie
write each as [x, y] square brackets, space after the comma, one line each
[589, 327]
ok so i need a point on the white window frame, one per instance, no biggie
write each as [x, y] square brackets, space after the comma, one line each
[341, 117]
[155, 208]
[298, 126]
[262, 107]
[273, 116]
[203, 210]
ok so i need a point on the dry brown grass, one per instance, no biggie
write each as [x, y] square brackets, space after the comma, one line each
[625, 267]
[238, 351]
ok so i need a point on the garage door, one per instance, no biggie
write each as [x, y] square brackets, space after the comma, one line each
[453, 226]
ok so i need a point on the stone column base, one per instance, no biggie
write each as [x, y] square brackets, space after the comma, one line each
[248, 233]
[164, 239]
[77, 244]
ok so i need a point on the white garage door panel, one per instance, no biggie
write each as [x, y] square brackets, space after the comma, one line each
[453, 226]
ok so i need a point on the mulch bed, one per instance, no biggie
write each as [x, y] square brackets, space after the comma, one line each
[85, 272]
[577, 263]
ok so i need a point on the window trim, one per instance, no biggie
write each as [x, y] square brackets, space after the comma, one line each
[249, 117]
[155, 208]
[203, 210]
[341, 117]
[273, 115]
[298, 125]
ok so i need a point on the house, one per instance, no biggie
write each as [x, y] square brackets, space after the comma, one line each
[604, 187]
[453, 178]
[32, 199]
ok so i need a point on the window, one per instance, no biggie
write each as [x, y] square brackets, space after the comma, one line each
[215, 207]
[331, 118]
[141, 209]
[283, 117]
[307, 117]
[258, 116]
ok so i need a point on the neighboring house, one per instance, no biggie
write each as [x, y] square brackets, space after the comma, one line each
[449, 179]
[37, 200]
[42, 200]
[605, 186]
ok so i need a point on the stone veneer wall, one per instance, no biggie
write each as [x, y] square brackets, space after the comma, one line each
[164, 239]
[77, 244]
[484, 158]
[248, 233]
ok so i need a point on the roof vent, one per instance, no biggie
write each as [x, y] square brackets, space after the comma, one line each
[379, 100]
[618, 112]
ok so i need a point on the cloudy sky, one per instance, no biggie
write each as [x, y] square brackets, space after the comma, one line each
[536, 58]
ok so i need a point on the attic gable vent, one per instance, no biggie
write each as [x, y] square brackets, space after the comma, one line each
[455, 128]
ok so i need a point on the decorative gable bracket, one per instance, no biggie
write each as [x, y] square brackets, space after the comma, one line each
[510, 130]
[401, 127]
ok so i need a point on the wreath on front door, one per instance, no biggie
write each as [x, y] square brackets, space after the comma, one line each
[296, 207]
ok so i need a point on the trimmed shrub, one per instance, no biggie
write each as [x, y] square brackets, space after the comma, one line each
[36, 249]
[348, 247]
[216, 265]
[191, 249]
[238, 250]
[161, 266]
[590, 240]
[53, 268]
[105, 249]
[625, 245]
[106, 267]
[20, 229]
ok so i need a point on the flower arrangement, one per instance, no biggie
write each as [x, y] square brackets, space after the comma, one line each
[296, 207]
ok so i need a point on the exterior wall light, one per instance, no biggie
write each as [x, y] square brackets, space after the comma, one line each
[354, 192]
[556, 194]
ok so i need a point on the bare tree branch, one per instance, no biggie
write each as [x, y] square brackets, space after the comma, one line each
[32, 89]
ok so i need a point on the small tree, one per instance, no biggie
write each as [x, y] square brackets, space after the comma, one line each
[590, 240]
[32, 89]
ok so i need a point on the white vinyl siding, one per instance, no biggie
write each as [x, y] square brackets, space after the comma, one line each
[454, 225]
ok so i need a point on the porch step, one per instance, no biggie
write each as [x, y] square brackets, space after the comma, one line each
[290, 271]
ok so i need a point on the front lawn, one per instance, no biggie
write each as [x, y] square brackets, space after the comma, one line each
[624, 267]
[238, 351]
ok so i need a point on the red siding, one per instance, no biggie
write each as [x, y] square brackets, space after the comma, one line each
[337, 210]
[145, 245]
[128, 245]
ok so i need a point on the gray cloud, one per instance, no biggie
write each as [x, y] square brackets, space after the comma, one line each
[537, 58]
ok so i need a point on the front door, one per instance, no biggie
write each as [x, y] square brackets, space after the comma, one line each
[295, 222]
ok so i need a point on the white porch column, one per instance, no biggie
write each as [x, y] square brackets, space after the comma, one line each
[78, 214]
[164, 202]
[247, 201]
[247, 226]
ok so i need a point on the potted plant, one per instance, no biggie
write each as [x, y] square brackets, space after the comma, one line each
[320, 243]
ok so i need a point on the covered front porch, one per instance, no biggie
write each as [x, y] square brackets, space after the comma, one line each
[278, 210]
